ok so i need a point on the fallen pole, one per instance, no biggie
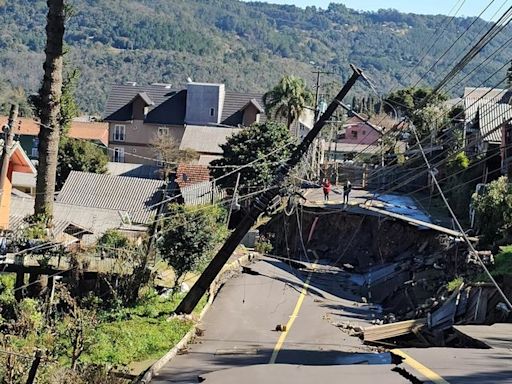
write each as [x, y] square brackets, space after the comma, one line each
[197, 291]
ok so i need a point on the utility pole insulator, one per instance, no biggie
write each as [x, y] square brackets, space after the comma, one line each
[197, 291]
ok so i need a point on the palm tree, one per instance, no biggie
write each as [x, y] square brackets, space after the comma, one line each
[288, 99]
[49, 104]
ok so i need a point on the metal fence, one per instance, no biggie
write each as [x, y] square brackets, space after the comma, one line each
[202, 193]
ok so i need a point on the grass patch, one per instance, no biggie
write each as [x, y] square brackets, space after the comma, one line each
[123, 342]
[454, 284]
[502, 262]
[140, 333]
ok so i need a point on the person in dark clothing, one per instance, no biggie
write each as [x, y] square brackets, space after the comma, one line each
[346, 191]
[326, 186]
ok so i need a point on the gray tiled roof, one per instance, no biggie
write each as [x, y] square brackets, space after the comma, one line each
[491, 117]
[234, 102]
[168, 108]
[133, 195]
[206, 139]
[170, 105]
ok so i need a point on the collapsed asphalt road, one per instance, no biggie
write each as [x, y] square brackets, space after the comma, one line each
[240, 342]
[239, 330]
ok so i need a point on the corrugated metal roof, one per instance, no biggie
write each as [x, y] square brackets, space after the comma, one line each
[133, 195]
[95, 220]
[206, 139]
[474, 98]
[490, 119]
[142, 171]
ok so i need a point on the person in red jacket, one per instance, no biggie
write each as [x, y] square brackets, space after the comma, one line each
[326, 186]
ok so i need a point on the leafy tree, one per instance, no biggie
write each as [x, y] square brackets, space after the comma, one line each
[288, 99]
[189, 236]
[494, 211]
[113, 239]
[79, 155]
[248, 145]
[421, 105]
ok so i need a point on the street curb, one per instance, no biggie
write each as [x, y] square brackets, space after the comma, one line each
[214, 289]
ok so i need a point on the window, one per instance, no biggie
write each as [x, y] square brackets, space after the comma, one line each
[159, 162]
[212, 111]
[35, 145]
[163, 131]
[354, 134]
[364, 132]
[119, 132]
[119, 155]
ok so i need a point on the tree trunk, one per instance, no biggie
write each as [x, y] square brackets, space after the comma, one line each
[50, 95]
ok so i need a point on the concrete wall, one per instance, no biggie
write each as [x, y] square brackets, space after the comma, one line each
[201, 98]
[360, 134]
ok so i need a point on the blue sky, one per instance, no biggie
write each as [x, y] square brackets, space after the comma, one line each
[470, 7]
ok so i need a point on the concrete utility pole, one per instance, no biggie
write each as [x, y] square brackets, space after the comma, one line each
[8, 142]
[260, 205]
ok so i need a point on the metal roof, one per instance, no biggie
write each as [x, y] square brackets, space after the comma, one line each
[474, 98]
[490, 119]
[96, 220]
[142, 171]
[352, 148]
[206, 139]
[133, 195]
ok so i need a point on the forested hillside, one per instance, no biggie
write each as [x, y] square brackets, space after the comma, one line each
[246, 45]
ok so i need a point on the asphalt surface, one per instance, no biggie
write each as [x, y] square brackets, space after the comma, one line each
[240, 344]
[239, 329]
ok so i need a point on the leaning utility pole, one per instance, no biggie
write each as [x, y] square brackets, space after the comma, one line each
[260, 205]
[8, 142]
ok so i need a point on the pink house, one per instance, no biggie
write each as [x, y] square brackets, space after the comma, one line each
[359, 132]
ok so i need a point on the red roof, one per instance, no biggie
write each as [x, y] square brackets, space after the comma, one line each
[190, 174]
[79, 129]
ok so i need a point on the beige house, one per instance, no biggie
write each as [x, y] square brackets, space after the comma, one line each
[200, 117]
[203, 114]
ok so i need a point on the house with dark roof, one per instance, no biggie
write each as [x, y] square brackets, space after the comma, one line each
[203, 114]
[200, 117]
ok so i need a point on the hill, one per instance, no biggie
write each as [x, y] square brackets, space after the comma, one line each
[249, 46]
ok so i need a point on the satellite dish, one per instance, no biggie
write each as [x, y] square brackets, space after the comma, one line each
[189, 80]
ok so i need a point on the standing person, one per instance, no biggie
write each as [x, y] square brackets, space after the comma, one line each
[326, 186]
[346, 191]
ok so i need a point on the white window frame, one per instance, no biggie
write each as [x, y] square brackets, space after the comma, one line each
[119, 133]
[118, 156]
[159, 161]
[163, 131]
[35, 147]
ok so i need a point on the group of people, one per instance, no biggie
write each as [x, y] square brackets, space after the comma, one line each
[327, 187]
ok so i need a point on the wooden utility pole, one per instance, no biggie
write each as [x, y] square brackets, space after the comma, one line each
[8, 142]
[260, 204]
[49, 108]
